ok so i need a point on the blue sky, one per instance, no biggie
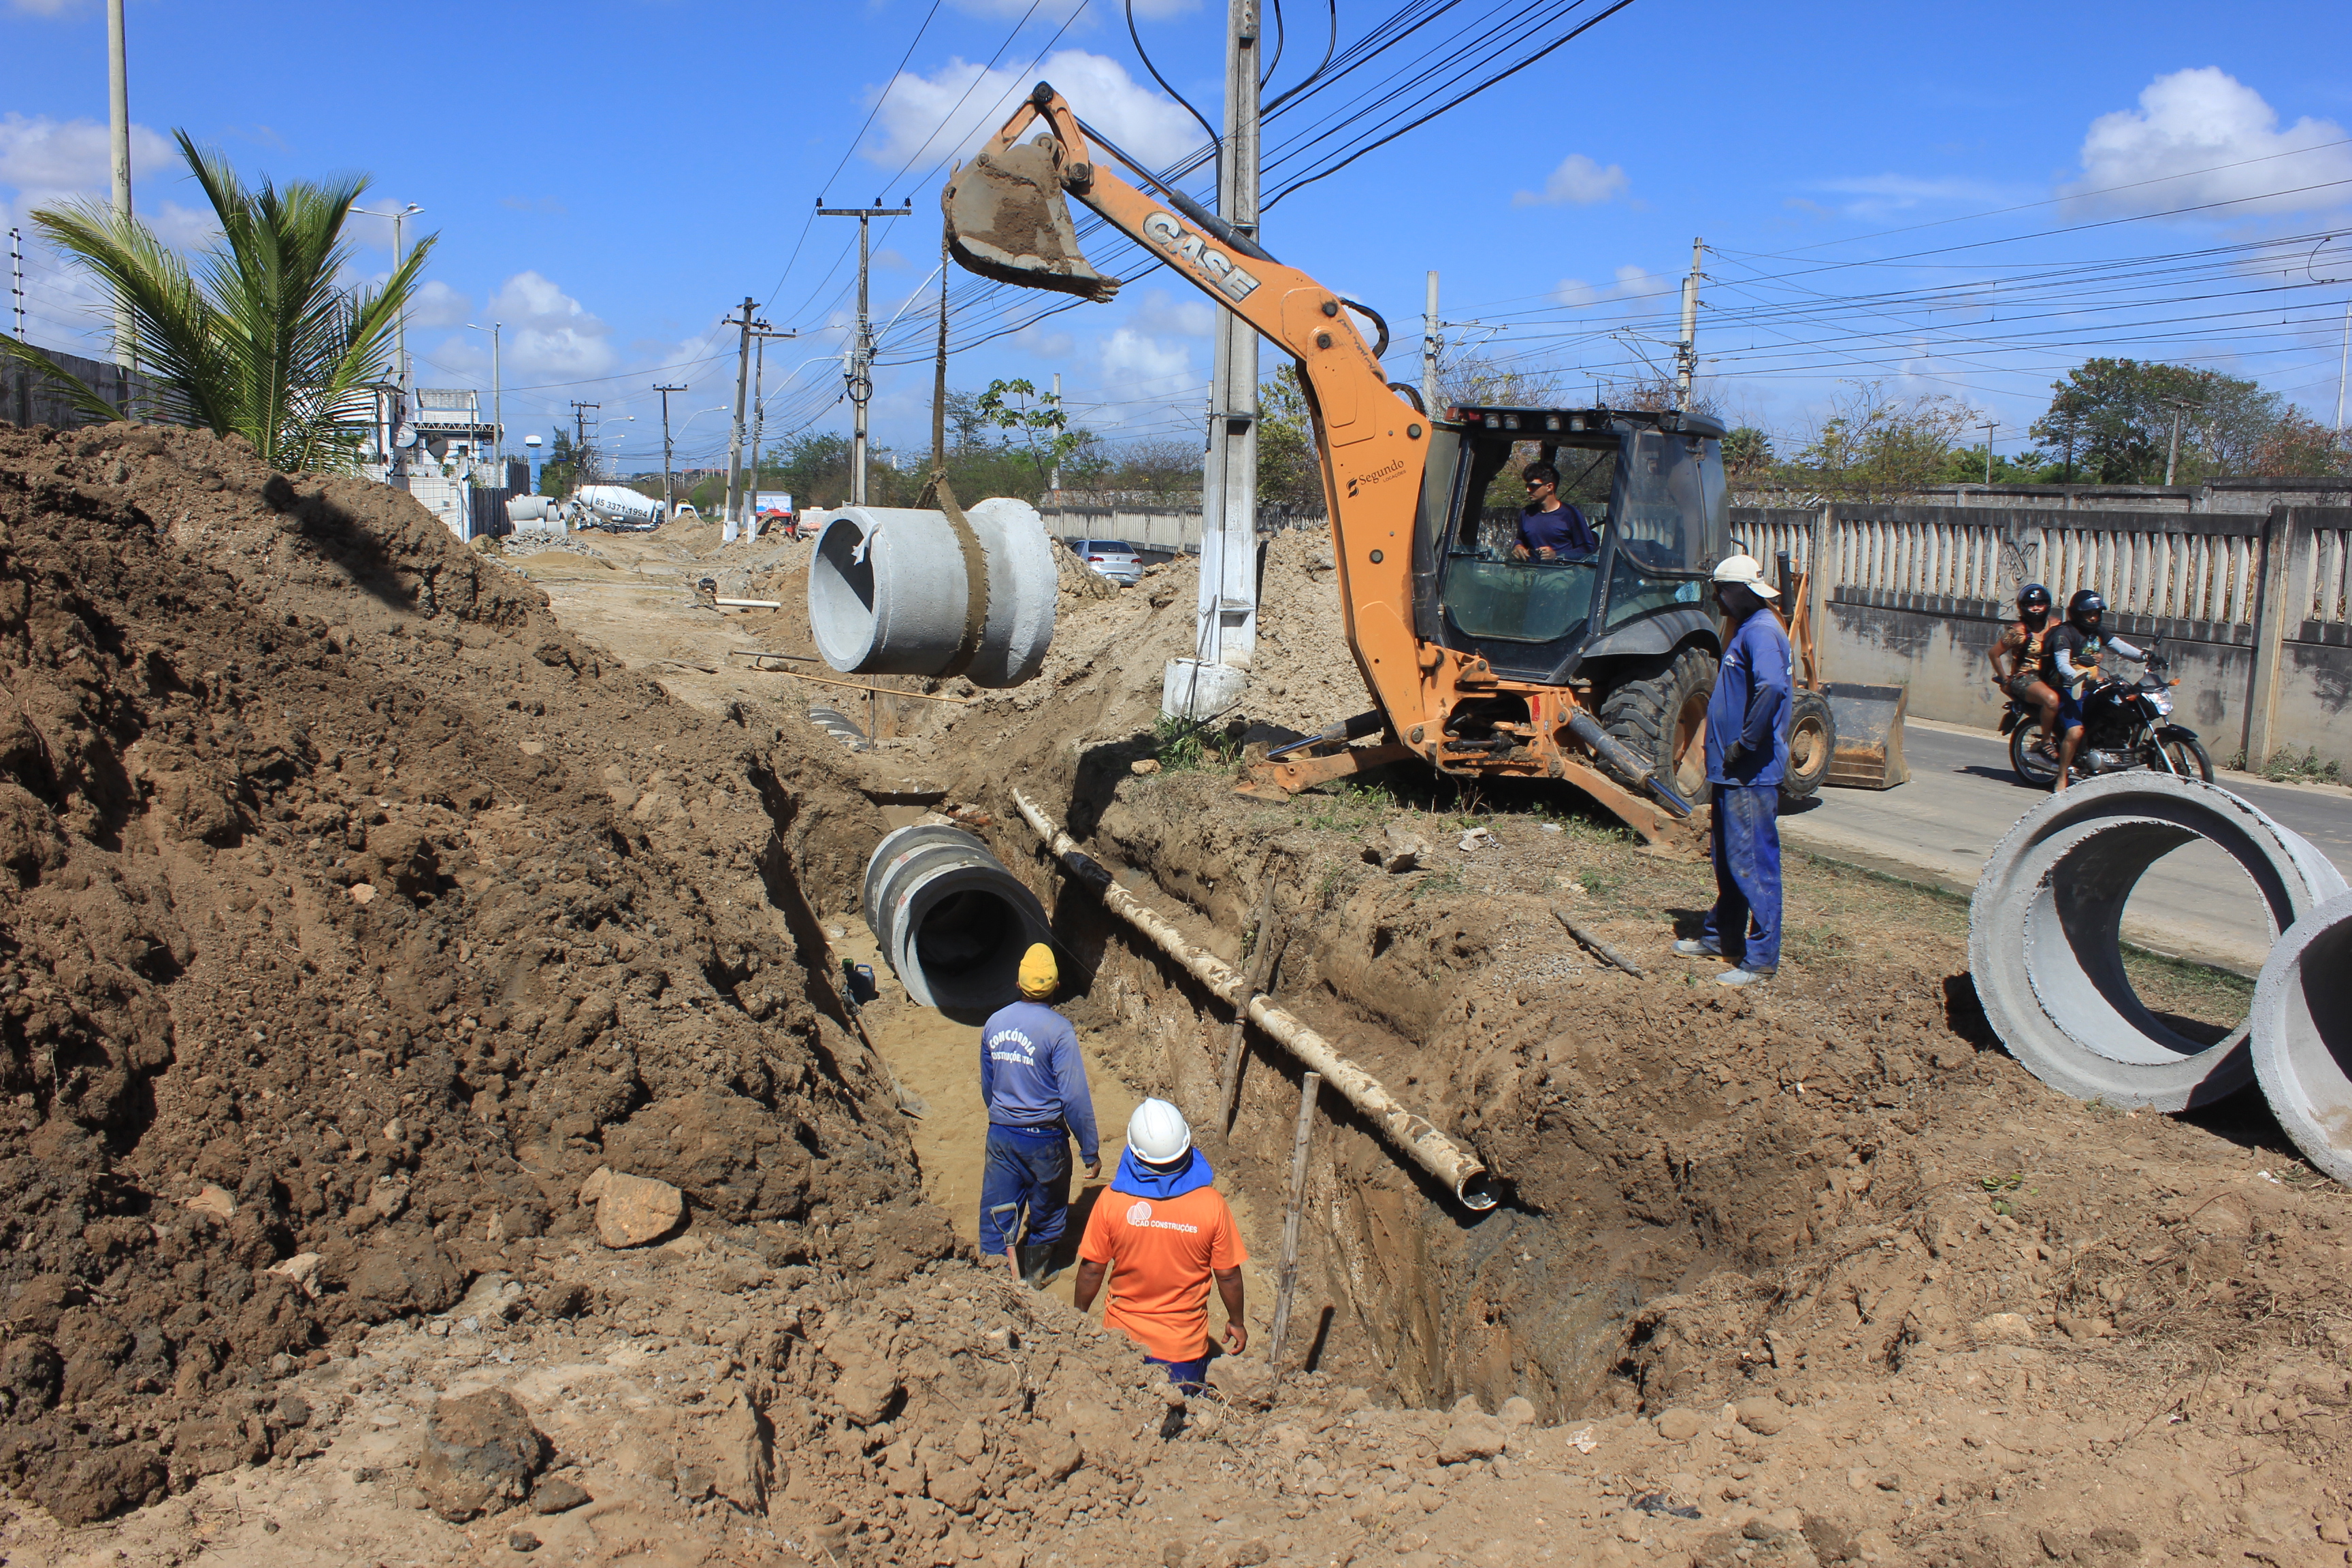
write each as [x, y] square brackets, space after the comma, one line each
[1950, 201]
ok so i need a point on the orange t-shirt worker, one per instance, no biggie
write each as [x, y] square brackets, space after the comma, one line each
[1162, 1233]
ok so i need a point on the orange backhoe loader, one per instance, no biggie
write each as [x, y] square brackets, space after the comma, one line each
[1594, 671]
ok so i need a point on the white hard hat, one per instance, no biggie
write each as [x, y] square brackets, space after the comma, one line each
[1158, 1133]
[1748, 573]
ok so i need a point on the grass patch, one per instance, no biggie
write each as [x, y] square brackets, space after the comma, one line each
[2198, 999]
[2285, 767]
[1349, 808]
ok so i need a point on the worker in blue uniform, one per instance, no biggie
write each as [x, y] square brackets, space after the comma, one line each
[1746, 756]
[1034, 1083]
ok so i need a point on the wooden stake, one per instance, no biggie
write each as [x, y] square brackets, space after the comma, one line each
[1260, 970]
[1594, 942]
[1287, 1281]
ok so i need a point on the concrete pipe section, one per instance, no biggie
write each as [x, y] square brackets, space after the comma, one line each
[952, 922]
[891, 591]
[2302, 1023]
[2046, 944]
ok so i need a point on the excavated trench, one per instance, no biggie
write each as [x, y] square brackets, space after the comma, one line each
[1619, 1180]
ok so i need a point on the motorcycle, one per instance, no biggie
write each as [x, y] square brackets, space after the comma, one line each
[2125, 724]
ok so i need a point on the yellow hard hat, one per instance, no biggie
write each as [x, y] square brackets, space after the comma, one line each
[1038, 973]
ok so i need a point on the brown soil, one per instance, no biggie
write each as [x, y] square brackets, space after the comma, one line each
[1808, 1275]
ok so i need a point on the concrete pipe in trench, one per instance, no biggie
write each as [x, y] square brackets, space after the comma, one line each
[2045, 945]
[951, 920]
[902, 591]
[2302, 1023]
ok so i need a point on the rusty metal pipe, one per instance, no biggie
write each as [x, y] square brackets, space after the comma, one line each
[1412, 1132]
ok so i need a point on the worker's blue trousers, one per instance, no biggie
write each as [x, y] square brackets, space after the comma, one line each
[1027, 1168]
[1745, 924]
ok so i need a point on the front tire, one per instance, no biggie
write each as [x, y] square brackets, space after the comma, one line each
[1660, 718]
[2187, 757]
[1813, 745]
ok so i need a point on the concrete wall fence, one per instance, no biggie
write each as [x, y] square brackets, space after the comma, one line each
[2252, 605]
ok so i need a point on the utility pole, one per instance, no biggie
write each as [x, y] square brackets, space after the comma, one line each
[117, 114]
[1053, 478]
[759, 336]
[1429, 330]
[670, 478]
[498, 397]
[581, 471]
[1226, 614]
[1686, 352]
[2179, 406]
[1989, 426]
[2343, 360]
[402, 370]
[861, 352]
[735, 436]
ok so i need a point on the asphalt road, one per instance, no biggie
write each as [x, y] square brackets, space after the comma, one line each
[2193, 903]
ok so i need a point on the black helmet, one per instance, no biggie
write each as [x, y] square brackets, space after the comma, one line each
[2031, 598]
[2085, 606]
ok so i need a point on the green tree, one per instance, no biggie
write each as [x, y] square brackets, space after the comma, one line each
[1747, 454]
[257, 339]
[561, 471]
[1035, 420]
[2111, 421]
[1876, 443]
[1289, 474]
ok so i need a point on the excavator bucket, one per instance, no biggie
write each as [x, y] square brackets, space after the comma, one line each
[1869, 726]
[1007, 219]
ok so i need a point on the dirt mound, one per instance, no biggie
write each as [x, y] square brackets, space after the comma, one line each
[339, 941]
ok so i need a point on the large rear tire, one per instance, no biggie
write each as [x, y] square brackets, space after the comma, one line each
[1661, 718]
[2027, 759]
[1813, 745]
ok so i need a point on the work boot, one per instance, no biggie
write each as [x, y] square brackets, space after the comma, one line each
[1691, 947]
[1742, 976]
[1037, 1265]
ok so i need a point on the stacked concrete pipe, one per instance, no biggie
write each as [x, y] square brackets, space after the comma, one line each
[904, 591]
[2046, 944]
[951, 920]
[2302, 1022]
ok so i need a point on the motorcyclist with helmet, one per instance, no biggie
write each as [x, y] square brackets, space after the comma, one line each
[2017, 660]
[2070, 661]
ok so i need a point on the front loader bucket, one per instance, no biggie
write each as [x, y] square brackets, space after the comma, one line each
[1869, 726]
[1007, 220]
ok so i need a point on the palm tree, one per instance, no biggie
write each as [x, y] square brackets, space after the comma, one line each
[260, 338]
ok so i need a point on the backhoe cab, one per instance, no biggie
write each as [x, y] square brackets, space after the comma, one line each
[1594, 672]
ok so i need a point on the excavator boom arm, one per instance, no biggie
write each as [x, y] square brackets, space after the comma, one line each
[1373, 444]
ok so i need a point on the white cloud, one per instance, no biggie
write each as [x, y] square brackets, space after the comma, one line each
[1578, 182]
[1879, 197]
[1638, 284]
[44, 8]
[2201, 132]
[1135, 365]
[436, 304]
[547, 331]
[44, 161]
[951, 113]
[1163, 312]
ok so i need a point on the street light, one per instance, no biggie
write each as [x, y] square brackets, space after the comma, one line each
[400, 324]
[497, 399]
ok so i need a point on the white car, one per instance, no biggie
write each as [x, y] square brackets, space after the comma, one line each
[1113, 558]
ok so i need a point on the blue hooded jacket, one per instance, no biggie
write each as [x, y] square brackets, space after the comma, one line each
[1750, 704]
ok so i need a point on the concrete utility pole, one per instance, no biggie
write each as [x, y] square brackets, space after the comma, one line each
[735, 436]
[117, 114]
[861, 353]
[401, 367]
[1429, 346]
[1226, 617]
[760, 337]
[498, 395]
[1686, 352]
[1989, 426]
[2343, 362]
[670, 478]
[2172, 454]
[582, 473]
